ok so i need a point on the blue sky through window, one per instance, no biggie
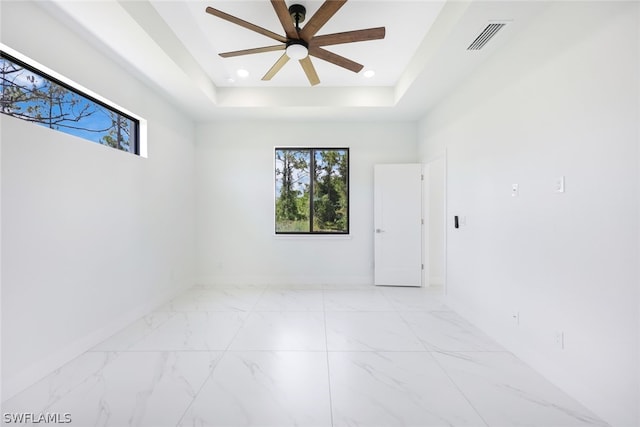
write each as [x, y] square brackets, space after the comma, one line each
[31, 96]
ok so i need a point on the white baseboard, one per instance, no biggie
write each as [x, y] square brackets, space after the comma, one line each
[19, 381]
[284, 280]
[526, 346]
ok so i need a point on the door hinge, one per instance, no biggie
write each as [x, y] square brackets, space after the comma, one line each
[422, 177]
[422, 221]
[422, 266]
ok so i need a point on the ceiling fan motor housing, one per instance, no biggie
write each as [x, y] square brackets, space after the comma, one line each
[299, 42]
[298, 13]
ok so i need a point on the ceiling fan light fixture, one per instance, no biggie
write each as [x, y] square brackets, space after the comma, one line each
[297, 49]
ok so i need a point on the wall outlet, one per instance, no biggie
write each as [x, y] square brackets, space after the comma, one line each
[560, 185]
[515, 190]
[559, 340]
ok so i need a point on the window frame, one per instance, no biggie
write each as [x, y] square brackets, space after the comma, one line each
[312, 151]
[138, 123]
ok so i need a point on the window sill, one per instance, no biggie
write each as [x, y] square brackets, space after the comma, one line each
[312, 236]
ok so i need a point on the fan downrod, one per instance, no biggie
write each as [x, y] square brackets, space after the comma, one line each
[298, 13]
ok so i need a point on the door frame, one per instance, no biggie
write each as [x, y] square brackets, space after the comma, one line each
[442, 156]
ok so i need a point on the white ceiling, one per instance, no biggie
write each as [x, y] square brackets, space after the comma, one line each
[204, 35]
[174, 45]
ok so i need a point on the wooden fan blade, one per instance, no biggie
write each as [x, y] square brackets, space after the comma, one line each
[336, 59]
[285, 18]
[245, 24]
[326, 11]
[251, 51]
[310, 71]
[276, 67]
[349, 37]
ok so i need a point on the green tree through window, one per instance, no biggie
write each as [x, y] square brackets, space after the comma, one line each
[312, 190]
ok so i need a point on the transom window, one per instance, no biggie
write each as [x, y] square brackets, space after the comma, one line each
[31, 95]
[312, 191]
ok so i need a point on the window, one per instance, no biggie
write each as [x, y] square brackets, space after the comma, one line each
[32, 95]
[312, 190]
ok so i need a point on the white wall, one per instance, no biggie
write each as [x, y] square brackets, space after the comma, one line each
[91, 237]
[235, 174]
[561, 99]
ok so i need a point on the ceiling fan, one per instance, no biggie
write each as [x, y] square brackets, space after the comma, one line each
[300, 43]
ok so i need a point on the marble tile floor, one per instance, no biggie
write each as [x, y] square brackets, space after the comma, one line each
[283, 356]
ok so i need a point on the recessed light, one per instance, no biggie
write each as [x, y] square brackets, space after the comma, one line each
[242, 73]
[369, 73]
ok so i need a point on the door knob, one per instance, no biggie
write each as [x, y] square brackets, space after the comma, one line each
[379, 230]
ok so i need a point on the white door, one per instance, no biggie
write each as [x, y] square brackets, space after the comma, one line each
[398, 224]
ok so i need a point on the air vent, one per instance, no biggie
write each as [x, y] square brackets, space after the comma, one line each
[486, 35]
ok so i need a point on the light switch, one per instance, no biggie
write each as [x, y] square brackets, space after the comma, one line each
[514, 190]
[560, 185]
